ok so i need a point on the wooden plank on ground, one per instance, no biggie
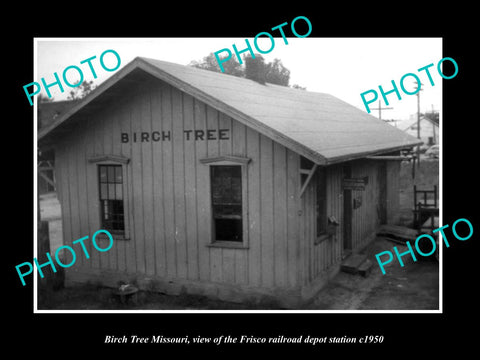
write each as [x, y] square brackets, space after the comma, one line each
[393, 239]
[352, 263]
[400, 232]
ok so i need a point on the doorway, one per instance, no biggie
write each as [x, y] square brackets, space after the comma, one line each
[347, 213]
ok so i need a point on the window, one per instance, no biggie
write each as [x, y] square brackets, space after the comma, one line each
[110, 178]
[321, 201]
[226, 192]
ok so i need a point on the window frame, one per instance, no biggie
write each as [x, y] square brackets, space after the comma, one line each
[115, 160]
[242, 162]
[107, 200]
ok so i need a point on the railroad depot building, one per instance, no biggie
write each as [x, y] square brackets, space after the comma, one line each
[216, 185]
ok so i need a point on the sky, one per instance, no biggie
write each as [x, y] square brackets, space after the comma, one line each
[342, 67]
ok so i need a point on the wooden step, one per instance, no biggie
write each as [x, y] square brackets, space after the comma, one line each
[352, 263]
[365, 268]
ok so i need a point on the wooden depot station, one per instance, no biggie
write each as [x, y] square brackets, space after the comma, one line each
[220, 186]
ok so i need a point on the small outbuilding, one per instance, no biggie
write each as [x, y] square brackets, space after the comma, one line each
[429, 128]
[216, 185]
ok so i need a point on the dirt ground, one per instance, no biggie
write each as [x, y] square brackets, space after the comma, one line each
[415, 286]
[412, 287]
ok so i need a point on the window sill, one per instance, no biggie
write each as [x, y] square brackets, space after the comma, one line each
[103, 236]
[321, 238]
[228, 245]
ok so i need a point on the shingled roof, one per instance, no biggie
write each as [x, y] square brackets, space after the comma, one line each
[319, 126]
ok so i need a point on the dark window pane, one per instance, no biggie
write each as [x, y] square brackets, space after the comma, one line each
[113, 215]
[228, 229]
[117, 206]
[227, 210]
[226, 185]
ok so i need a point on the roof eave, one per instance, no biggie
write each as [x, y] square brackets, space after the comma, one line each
[356, 156]
[144, 65]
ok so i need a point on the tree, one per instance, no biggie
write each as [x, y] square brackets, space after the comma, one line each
[81, 91]
[276, 73]
[43, 99]
[273, 72]
[209, 62]
[254, 68]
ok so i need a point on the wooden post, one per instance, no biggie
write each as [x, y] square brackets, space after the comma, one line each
[415, 212]
[380, 109]
[419, 85]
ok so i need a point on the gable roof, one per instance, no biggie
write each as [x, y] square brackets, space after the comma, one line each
[318, 126]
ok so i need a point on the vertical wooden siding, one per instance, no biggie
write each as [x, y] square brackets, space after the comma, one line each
[392, 192]
[366, 218]
[167, 193]
[320, 257]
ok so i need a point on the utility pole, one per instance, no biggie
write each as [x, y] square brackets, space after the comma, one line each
[419, 87]
[380, 109]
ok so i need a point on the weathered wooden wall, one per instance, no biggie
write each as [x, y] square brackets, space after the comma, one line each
[393, 192]
[320, 257]
[168, 216]
[366, 218]
[317, 258]
[167, 194]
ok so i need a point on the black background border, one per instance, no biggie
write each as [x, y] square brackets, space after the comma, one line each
[406, 334]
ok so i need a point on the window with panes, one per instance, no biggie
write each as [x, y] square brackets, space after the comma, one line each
[110, 179]
[226, 190]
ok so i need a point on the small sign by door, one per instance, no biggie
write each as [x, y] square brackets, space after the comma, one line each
[354, 184]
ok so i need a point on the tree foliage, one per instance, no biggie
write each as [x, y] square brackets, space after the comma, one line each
[276, 73]
[43, 99]
[254, 68]
[209, 62]
[81, 91]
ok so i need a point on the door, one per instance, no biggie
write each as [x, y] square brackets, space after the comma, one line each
[347, 213]
[382, 188]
